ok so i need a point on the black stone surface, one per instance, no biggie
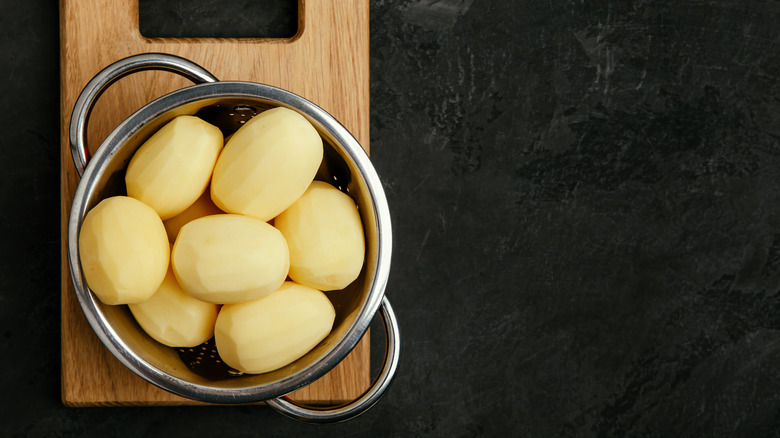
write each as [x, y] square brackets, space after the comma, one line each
[586, 220]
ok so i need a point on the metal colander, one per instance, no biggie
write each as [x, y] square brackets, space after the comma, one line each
[203, 376]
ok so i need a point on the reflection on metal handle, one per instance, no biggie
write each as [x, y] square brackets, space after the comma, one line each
[369, 398]
[109, 75]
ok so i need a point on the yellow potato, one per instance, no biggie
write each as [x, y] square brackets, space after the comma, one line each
[174, 318]
[173, 167]
[267, 164]
[124, 250]
[229, 258]
[201, 207]
[325, 236]
[266, 334]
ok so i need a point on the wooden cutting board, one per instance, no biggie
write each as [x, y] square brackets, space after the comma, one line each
[326, 62]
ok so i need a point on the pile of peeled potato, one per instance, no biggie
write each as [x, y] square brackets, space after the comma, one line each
[236, 242]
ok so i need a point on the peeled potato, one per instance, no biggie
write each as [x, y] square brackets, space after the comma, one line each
[124, 250]
[173, 167]
[229, 258]
[266, 334]
[174, 318]
[201, 207]
[267, 164]
[324, 233]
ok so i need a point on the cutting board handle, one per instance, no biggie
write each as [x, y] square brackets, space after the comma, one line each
[119, 21]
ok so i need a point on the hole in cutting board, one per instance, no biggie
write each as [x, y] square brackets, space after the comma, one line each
[218, 18]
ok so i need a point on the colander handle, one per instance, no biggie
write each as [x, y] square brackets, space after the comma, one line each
[352, 409]
[109, 75]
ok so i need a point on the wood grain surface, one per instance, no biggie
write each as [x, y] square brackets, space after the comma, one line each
[325, 62]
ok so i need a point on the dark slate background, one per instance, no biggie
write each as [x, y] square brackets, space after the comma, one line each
[585, 209]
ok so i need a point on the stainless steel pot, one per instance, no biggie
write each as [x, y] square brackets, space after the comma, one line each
[345, 164]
